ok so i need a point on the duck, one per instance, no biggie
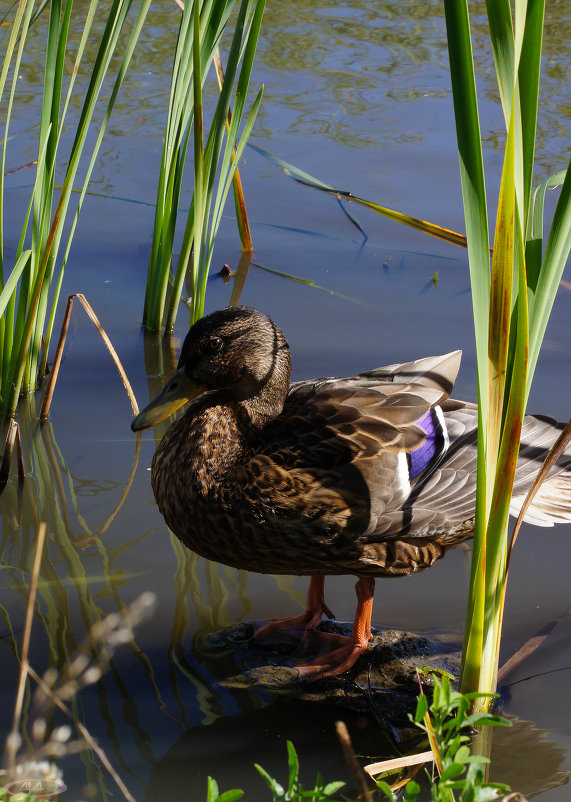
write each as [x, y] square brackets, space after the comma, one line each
[372, 475]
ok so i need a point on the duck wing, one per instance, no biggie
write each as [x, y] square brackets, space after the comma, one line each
[340, 446]
[442, 502]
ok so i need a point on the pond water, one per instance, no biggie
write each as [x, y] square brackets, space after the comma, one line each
[357, 94]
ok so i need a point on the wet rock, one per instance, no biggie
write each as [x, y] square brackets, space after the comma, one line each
[383, 681]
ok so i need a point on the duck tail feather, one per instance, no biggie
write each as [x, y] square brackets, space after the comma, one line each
[551, 504]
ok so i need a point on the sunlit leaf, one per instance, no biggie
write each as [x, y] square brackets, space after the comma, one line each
[400, 217]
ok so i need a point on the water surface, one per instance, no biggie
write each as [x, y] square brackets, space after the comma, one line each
[357, 95]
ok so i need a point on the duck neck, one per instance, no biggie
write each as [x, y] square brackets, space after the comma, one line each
[262, 398]
[201, 448]
[266, 404]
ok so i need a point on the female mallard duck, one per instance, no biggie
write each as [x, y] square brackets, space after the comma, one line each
[373, 475]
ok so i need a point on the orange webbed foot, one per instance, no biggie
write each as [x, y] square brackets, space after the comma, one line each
[322, 654]
[344, 657]
[295, 630]
[332, 664]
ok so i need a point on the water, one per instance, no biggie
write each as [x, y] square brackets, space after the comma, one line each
[357, 95]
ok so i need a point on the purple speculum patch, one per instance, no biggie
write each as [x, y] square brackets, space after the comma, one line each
[423, 457]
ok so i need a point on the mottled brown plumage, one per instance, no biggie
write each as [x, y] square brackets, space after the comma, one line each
[314, 478]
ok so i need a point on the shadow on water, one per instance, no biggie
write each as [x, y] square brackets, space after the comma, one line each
[522, 756]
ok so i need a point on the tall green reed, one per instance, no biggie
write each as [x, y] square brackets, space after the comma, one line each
[32, 284]
[512, 296]
[215, 161]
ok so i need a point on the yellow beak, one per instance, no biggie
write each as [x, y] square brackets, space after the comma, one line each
[177, 391]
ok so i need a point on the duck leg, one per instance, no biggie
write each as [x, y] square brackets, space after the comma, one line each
[343, 658]
[294, 629]
[316, 607]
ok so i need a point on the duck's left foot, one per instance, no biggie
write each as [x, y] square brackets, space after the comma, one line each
[332, 664]
[293, 631]
[344, 657]
[283, 631]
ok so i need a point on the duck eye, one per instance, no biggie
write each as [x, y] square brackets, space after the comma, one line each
[215, 343]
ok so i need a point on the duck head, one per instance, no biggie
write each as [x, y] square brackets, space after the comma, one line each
[236, 351]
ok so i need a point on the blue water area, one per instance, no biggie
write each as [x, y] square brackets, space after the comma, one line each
[356, 94]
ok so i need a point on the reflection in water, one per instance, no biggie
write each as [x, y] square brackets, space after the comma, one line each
[68, 593]
[339, 70]
[80, 584]
[357, 74]
[524, 758]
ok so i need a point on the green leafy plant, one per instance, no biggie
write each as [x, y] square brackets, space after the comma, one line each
[295, 791]
[447, 722]
[215, 161]
[212, 794]
[512, 297]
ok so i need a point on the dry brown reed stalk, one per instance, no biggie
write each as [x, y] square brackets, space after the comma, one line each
[354, 768]
[240, 278]
[11, 747]
[394, 764]
[12, 441]
[86, 735]
[241, 212]
[410, 775]
[45, 410]
[83, 670]
[22, 166]
[528, 648]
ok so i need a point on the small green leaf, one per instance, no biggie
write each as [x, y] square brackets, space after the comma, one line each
[453, 770]
[462, 754]
[332, 788]
[411, 791]
[421, 708]
[478, 759]
[231, 796]
[273, 785]
[488, 792]
[212, 790]
[386, 789]
[293, 763]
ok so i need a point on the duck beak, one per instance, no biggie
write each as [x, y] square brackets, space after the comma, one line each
[177, 391]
